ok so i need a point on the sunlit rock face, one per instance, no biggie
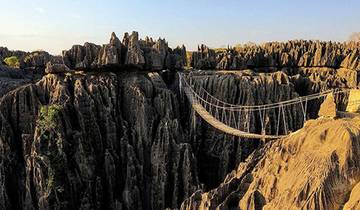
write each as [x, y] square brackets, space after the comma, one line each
[126, 139]
[315, 168]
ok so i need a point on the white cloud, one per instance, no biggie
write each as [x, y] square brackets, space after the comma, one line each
[75, 16]
[40, 10]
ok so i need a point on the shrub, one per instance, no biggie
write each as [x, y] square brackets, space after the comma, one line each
[12, 61]
[48, 115]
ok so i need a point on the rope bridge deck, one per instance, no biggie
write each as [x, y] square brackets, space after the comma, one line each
[205, 115]
[235, 119]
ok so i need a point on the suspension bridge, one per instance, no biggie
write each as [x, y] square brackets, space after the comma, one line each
[237, 120]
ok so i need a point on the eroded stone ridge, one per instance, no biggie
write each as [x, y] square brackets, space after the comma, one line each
[115, 143]
[127, 140]
[316, 168]
[298, 53]
[131, 52]
[35, 60]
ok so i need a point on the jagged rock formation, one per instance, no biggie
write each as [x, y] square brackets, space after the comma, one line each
[11, 78]
[34, 61]
[81, 57]
[225, 152]
[131, 52]
[204, 58]
[102, 154]
[122, 140]
[99, 154]
[5, 52]
[134, 55]
[56, 68]
[316, 168]
[215, 153]
[278, 55]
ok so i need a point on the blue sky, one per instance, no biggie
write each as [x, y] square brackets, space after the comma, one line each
[54, 25]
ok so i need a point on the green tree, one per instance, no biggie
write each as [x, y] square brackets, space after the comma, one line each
[48, 115]
[12, 61]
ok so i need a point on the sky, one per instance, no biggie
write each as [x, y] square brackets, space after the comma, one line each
[55, 25]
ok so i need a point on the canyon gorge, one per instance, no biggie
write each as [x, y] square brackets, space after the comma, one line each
[108, 127]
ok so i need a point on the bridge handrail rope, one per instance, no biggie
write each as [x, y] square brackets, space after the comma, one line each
[233, 107]
[229, 118]
[320, 94]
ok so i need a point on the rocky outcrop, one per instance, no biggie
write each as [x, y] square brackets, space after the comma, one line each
[116, 139]
[278, 55]
[176, 59]
[131, 52]
[56, 68]
[204, 58]
[93, 151]
[5, 52]
[36, 60]
[109, 54]
[302, 171]
[73, 143]
[328, 107]
[81, 57]
[220, 153]
[11, 78]
[224, 152]
[134, 55]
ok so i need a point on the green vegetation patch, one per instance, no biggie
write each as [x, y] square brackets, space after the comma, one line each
[48, 115]
[12, 61]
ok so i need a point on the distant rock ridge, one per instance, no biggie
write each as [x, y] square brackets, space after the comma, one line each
[297, 53]
[131, 52]
[150, 54]
[35, 60]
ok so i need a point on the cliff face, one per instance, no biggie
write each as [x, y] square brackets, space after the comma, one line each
[315, 168]
[218, 153]
[116, 143]
[126, 140]
[110, 138]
